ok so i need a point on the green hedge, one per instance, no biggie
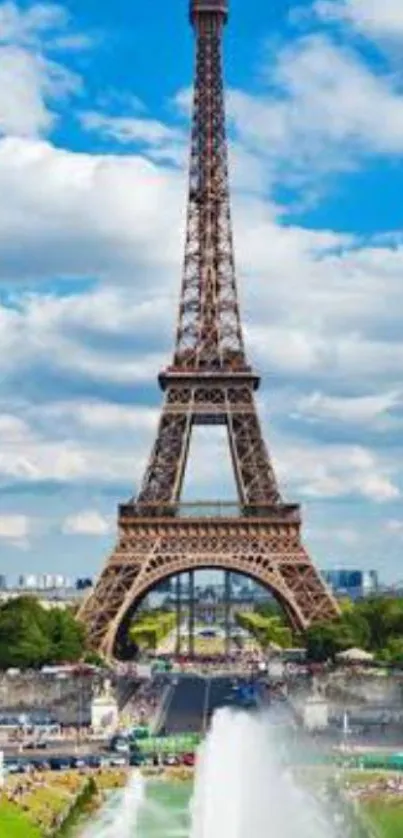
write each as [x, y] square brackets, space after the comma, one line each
[77, 810]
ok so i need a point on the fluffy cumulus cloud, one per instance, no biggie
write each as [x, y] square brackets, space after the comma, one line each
[339, 471]
[376, 18]
[329, 112]
[88, 522]
[367, 409]
[83, 215]
[14, 529]
[32, 80]
[91, 231]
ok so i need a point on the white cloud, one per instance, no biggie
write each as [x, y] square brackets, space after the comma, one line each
[369, 409]
[112, 416]
[347, 536]
[31, 83]
[85, 215]
[376, 18]
[14, 528]
[325, 108]
[67, 461]
[65, 334]
[28, 26]
[394, 526]
[166, 142]
[87, 522]
[27, 83]
[46, 450]
[335, 470]
[96, 420]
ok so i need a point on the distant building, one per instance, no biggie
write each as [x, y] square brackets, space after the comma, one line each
[53, 582]
[29, 582]
[49, 588]
[43, 582]
[83, 584]
[355, 584]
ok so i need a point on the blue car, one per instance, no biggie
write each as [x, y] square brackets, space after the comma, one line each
[243, 696]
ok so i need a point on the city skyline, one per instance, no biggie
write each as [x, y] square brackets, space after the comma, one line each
[93, 158]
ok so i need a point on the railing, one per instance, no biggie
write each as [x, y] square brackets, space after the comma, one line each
[213, 509]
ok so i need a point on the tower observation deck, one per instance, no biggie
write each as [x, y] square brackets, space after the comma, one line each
[218, 8]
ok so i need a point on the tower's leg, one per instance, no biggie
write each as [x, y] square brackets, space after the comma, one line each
[191, 623]
[253, 469]
[178, 605]
[227, 611]
[164, 475]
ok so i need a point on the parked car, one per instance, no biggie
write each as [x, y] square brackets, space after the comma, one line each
[171, 759]
[117, 761]
[60, 763]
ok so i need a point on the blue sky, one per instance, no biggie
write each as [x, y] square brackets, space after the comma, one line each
[94, 110]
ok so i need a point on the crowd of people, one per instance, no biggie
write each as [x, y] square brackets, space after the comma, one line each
[245, 661]
[385, 785]
[143, 706]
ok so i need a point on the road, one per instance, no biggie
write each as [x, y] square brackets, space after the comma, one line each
[187, 706]
[55, 748]
[193, 701]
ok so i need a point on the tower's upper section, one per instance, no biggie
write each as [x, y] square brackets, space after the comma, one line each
[209, 334]
[201, 7]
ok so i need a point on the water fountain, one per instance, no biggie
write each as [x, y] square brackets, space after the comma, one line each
[119, 817]
[242, 788]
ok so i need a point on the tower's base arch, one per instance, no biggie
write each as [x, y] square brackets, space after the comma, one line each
[123, 649]
[150, 550]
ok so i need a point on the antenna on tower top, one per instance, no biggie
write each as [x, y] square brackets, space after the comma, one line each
[208, 7]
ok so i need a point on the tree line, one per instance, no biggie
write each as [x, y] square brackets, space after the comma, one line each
[267, 630]
[374, 624]
[32, 636]
[150, 628]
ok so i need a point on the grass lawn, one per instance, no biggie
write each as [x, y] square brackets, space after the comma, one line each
[386, 816]
[38, 804]
[15, 824]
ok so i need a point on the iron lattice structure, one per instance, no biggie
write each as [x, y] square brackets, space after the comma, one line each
[209, 382]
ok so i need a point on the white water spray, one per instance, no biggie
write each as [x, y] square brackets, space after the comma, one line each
[120, 821]
[242, 791]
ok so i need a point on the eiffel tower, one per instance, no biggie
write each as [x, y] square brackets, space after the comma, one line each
[209, 382]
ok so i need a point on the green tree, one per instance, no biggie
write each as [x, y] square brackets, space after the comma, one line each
[264, 629]
[31, 636]
[66, 636]
[24, 641]
[269, 609]
[384, 617]
[93, 658]
[324, 640]
[150, 628]
[321, 642]
[375, 624]
[392, 653]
